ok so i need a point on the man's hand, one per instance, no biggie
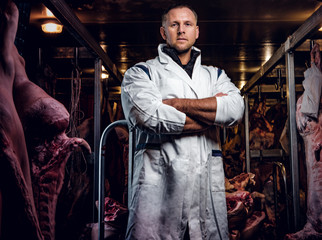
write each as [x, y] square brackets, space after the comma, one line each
[192, 126]
[221, 94]
[200, 112]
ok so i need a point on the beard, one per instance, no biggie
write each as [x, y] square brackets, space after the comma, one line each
[180, 50]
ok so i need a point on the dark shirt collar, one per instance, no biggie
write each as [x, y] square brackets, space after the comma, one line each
[174, 55]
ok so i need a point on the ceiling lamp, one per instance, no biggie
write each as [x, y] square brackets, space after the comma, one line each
[52, 27]
[104, 75]
[50, 23]
[48, 13]
[320, 29]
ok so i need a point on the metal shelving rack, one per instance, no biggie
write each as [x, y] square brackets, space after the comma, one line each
[286, 50]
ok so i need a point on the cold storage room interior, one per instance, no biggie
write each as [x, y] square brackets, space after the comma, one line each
[67, 174]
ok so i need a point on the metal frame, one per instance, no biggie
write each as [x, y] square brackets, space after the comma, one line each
[291, 109]
[67, 17]
[101, 174]
[76, 28]
[247, 133]
[97, 125]
[282, 169]
[296, 39]
[286, 49]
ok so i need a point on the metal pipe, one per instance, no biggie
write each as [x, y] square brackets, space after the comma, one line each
[76, 56]
[97, 124]
[291, 108]
[101, 176]
[132, 136]
[247, 133]
[283, 172]
[39, 57]
[275, 195]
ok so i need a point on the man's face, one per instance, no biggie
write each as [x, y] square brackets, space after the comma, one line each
[180, 30]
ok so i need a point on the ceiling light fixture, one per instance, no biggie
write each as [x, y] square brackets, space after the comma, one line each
[49, 13]
[52, 27]
[104, 75]
[50, 23]
[320, 29]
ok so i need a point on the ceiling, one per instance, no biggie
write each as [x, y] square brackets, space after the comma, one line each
[238, 36]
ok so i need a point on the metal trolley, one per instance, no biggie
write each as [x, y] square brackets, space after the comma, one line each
[101, 173]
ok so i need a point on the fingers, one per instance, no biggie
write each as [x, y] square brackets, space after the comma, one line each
[221, 94]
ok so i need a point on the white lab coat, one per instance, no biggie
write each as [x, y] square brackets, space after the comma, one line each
[173, 172]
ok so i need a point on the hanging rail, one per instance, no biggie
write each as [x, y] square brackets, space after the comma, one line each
[296, 39]
[287, 50]
[67, 17]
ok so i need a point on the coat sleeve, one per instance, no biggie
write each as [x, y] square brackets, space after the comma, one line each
[230, 108]
[143, 107]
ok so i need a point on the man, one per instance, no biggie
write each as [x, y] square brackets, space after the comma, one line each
[176, 105]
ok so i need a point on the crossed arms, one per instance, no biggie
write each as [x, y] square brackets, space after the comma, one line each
[200, 113]
[145, 107]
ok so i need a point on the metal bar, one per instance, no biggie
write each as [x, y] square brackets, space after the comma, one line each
[311, 24]
[263, 71]
[291, 108]
[67, 17]
[101, 176]
[271, 88]
[298, 37]
[247, 133]
[283, 172]
[132, 137]
[97, 124]
[277, 220]
[267, 153]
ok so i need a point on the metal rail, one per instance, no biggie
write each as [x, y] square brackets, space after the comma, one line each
[286, 50]
[297, 38]
[247, 133]
[97, 123]
[101, 175]
[291, 110]
[67, 17]
[282, 169]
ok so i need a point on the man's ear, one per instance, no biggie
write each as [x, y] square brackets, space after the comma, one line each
[163, 34]
[197, 32]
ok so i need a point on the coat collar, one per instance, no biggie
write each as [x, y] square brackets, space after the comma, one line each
[165, 58]
[172, 66]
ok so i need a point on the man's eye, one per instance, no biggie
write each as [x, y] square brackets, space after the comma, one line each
[174, 25]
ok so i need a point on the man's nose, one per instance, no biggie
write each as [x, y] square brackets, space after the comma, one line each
[181, 29]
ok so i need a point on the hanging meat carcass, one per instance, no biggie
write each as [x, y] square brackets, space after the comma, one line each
[17, 204]
[261, 134]
[32, 131]
[45, 121]
[244, 218]
[309, 124]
